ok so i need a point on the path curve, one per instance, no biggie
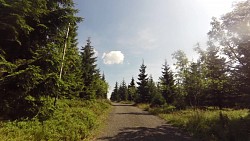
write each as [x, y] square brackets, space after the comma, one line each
[129, 123]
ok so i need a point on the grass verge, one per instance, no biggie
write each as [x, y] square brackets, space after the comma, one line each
[73, 120]
[221, 125]
[207, 125]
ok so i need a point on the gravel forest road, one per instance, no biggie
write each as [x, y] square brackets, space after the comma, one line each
[129, 123]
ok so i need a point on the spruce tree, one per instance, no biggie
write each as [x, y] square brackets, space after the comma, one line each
[216, 76]
[123, 91]
[101, 86]
[132, 90]
[115, 94]
[71, 73]
[143, 94]
[194, 85]
[34, 33]
[152, 88]
[89, 71]
[167, 85]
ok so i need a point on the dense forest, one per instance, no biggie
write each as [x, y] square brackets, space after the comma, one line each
[219, 78]
[40, 61]
[52, 90]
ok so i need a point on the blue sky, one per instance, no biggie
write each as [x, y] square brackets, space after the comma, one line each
[125, 32]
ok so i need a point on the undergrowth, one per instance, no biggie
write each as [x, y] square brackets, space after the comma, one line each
[224, 125]
[72, 120]
[207, 125]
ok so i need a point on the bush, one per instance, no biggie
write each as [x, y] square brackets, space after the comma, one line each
[157, 101]
[72, 120]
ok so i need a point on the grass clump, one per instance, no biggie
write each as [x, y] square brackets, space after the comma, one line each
[127, 102]
[72, 120]
[143, 106]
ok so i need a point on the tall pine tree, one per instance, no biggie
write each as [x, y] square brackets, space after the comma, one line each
[89, 71]
[216, 76]
[123, 91]
[115, 94]
[142, 89]
[34, 34]
[167, 85]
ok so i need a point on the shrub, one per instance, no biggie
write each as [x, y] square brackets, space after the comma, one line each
[157, 101]
[72, 120]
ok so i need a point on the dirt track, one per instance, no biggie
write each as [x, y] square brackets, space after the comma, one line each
[129, 123]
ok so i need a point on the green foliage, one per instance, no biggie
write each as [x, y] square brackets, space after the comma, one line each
[152, 88]
[164, 109]
[115, 93]
[72, 120]
[212, 124]
[132, 93]
[71, 74]
[101, 88]
[167, 84]
[123, 91]
[30, 54]
[231, 34]
[89, 71]
[17, 97]
[132, 90]
[216, 76]
[194, 85]
[158, 100]
[143, 93]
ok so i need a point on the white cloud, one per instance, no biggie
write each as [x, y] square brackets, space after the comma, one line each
[144, 38]
[113, 57]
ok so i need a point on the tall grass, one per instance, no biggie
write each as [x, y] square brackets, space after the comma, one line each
[73, 120]
[224, 125]
[207, 125]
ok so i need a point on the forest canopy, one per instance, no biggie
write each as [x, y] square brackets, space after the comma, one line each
[34, 36]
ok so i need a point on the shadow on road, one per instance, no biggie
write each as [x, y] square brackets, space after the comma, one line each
[161, 133]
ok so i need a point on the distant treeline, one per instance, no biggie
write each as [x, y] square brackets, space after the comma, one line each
[219, 78]
[34, 34]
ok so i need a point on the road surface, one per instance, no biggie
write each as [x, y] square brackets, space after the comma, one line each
[129, 123]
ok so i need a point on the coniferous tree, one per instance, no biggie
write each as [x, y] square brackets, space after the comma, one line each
[231, 33]
[132, 90]
[71, 74]
[194, 85]
[115, 94]
[158, 100]
[167, 85]
[123, 91]
[100, 86]
[33, 37]
[181, 66]
[216, 76]
[142, 89]
[152, 88]
[89, 71]
[103, 77]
